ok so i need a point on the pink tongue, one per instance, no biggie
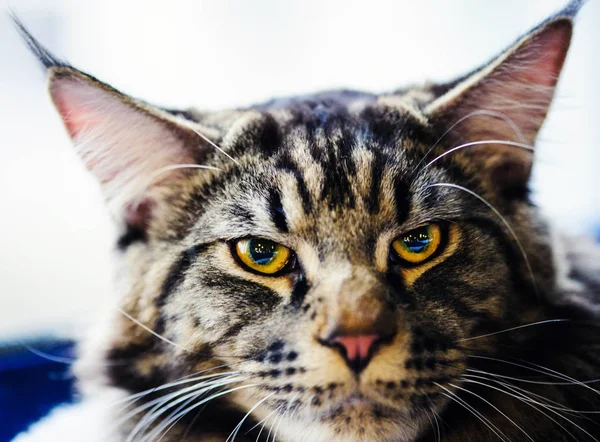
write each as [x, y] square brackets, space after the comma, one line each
[356, 346]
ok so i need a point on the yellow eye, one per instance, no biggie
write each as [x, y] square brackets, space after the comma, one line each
[419, 244]
[262, 255]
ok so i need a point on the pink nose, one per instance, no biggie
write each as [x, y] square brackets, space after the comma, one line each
[357, 347]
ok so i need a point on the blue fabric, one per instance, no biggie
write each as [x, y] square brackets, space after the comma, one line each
[31, 385]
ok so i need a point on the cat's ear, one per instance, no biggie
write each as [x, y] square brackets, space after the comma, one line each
[507, 100]
[133, 149]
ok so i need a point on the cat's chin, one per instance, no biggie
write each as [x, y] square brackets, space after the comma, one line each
[361, 404]
[357, 418]
[361, 418]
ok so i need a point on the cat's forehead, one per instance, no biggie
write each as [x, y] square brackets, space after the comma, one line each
[324, 170]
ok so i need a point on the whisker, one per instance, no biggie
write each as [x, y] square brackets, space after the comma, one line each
[178, 409]
[49, 357]
[494, 407]
[432, 426]
[513, 328]
[162, 426]
[547, 403]
[283, 415]
[435, 416]
[162, 404]
[172, 421]
[191, 425]
[504, 221]
[542, 405]
[564, 376]
[182, 380]
[526, 401]
[166, 398]
[271, 426]
[168, 341]
[475, 144]
[155, 414]
[475, 413]
[528, 381]
[555, 405]
[149, 330]
[490, 113]
[555, 375]
[235, 431]
[263, 421]
[209, 141]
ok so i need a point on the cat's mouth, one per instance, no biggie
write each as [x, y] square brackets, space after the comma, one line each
[359, 406]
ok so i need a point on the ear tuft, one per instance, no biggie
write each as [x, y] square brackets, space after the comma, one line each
[45, 57]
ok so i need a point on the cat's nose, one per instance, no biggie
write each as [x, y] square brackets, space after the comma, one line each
[357, 350]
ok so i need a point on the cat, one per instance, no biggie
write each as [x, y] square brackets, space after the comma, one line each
[344, 266]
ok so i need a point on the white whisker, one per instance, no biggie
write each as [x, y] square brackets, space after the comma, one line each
[541, 405]
[49, 357]
[513, 328]
[478, 143]
[149, 330]
[550, 403]
[182, 380]
[164, 405]
[475, 413]
[177, 410]
[235, 431]
[209, 141]
[504, 221]
[526, 401]
[263, 422]
[166, 398]
[553, 373]
[490, 113]
[162, 426]
[494, 407]
[528, 381]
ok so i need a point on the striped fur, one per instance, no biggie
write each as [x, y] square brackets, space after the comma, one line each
[336, 177]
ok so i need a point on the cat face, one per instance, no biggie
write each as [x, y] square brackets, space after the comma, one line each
[344, 281]
[340, 258]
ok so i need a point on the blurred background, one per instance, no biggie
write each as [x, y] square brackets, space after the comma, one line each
[55, 237]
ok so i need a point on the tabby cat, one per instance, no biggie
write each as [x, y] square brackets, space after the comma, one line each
[343, 266]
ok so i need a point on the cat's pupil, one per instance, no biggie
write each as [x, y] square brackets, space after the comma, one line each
[418, 240]
[262, 251]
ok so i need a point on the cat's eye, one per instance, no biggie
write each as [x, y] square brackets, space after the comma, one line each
[419, 244]
[263, 256]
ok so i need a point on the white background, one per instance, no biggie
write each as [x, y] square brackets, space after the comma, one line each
[56, 239]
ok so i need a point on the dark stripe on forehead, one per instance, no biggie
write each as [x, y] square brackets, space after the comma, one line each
[276, 211]
[377, 168]
[262, 135]
[177, 272]
[335, 158]
[389, 126]
[287, 164]
[402, 199]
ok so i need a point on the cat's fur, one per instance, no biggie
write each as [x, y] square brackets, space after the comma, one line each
[336, 177]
